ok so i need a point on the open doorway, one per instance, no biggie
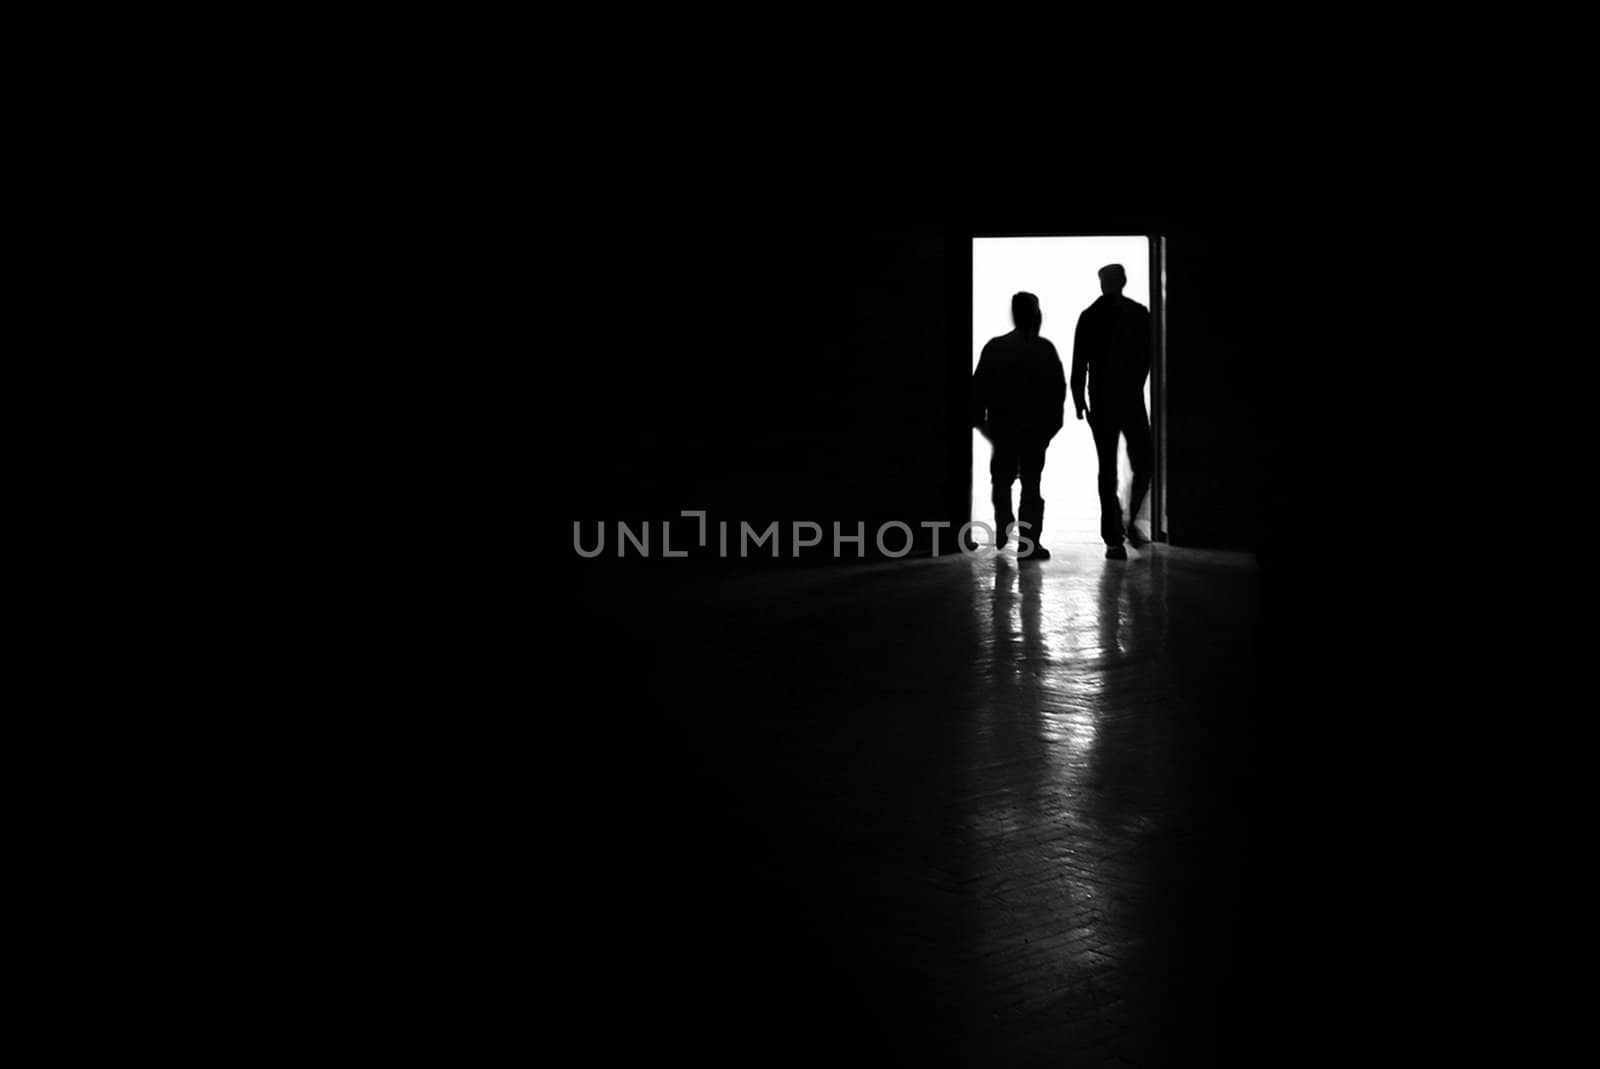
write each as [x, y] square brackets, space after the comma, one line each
[1063, 273]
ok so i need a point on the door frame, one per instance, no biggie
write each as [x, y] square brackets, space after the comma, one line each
[1156, 244]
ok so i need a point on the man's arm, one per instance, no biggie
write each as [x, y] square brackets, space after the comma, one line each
[1058, 391]
[980, 392]
[1080, 362]
[1144, 327]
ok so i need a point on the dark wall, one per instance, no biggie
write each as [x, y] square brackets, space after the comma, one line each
[765, 373]
[1216, 393]
[769, 370]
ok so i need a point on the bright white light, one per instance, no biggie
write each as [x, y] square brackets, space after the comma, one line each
[1063, 273]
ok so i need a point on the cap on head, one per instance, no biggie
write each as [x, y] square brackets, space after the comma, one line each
[1112, 279]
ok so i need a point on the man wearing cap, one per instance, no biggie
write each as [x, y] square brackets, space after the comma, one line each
[1111, 352]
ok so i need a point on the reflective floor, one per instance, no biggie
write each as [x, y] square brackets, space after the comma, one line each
[943, 811]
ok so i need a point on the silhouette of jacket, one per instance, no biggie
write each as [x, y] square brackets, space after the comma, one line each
[1019, 390]
[1111, 349]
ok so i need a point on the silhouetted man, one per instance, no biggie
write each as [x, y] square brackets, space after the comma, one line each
[1111, 349]
[1019, 396]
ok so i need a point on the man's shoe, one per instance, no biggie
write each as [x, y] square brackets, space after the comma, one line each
[1136, 537]
[1038, 553]
[1116, 553]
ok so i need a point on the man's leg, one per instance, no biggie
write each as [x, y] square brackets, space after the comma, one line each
[1030, 462]
[1105, 424]
[1002, 473]
[1141, 456]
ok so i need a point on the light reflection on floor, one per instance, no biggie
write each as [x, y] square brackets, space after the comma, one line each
[977, 793]
[1066, 653]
